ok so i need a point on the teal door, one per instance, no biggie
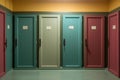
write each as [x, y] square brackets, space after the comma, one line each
[9, 39]
[25, 41]
[72, 41]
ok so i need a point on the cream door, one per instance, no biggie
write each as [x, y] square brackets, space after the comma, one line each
[49, 36]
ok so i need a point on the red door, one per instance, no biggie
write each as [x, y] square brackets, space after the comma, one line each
[94, 41]
[113, 39]
[2, 43]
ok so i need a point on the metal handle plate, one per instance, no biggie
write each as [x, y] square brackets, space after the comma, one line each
[39, 42]
[64, 42]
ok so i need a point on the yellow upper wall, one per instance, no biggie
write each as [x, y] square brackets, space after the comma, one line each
[7, 3]
[59, 6]
[84, 6]
[114, 4]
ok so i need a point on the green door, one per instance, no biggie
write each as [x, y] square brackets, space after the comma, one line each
[25, 41]
[49, 36]
[72, 40]
[9, 39]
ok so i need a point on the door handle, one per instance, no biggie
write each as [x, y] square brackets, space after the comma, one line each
[39, 42]
[64, 42]
[6, 43]
[15, 43]
[86, 44]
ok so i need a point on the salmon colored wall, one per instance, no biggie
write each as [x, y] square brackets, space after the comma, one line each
[60, 6]
[114, 4]
[7, 3]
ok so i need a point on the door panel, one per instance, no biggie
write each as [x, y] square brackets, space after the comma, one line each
[49, 33]
[25, 41]
[94, 41]
[72, 40]
[113, 50]
[2, 43]
[9, 40]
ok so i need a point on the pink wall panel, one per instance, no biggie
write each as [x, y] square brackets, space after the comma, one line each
[2, 43]
[94, 41]
[113, 39]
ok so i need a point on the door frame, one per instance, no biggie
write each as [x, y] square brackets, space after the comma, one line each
[16, 18]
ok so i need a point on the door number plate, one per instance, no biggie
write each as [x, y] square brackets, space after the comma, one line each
[93, 27]
[114, 27]
[25, 27]
[71, 27]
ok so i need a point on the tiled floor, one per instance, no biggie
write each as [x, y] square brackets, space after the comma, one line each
[59, 75]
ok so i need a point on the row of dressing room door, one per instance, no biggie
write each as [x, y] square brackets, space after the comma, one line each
[59, 45]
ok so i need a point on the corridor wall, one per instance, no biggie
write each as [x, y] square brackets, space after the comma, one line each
[7, 4]
[60, 6]
[113, 4]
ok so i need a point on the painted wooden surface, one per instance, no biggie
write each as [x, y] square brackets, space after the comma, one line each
[49, 41]
[2, 43]
[94, 41]
[113, 39]
[25, 41]
[72, 41]
[9, 40]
